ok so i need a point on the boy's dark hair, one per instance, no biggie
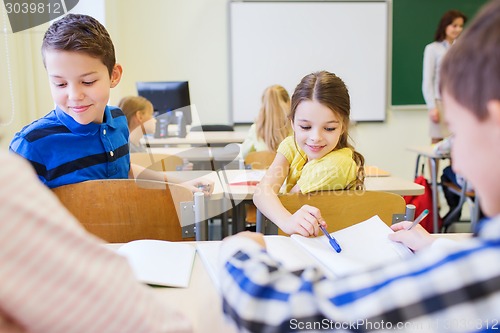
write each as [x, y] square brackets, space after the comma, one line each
[445, 21]
[470, 71]
[80, 33]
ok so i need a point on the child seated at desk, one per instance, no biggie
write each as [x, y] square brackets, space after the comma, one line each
[446, 286]
[317, 157]
[140, 119]
[82, 138]
[272, 125]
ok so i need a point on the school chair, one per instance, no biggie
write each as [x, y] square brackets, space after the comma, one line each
[157, 162]
[122, 210]
[340, 209]
[260, 159]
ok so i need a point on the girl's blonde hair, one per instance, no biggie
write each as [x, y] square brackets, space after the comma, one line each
[272, 123]
[131, 104]
[329, 90]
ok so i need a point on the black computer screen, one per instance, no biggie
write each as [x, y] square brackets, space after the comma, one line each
[167, 96]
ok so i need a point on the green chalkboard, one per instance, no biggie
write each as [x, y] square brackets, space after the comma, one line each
[414, 23]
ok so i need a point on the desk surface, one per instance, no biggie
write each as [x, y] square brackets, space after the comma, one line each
[387, 184]
[427, 151]
[200, 154]
[373, 171]
[201, 302]
[199, 138]
[183, 176]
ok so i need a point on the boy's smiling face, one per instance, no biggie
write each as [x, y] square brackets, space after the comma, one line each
[80, 84]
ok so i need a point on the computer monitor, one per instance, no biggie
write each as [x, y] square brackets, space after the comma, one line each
[167, 96]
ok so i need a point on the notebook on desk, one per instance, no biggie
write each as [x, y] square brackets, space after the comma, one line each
[159, 262]
[249, 178]
[364, 246]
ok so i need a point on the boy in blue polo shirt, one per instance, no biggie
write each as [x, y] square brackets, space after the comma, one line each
[83, 138]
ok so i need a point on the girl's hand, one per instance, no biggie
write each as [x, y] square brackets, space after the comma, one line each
[416, 239]
[304, 222]
[434, 115]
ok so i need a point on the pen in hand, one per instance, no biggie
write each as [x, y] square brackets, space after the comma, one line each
[331, 239]
[418, 219]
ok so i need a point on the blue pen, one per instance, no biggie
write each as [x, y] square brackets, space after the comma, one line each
[331, 239]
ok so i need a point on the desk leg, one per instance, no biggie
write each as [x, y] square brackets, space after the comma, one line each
[239, 217]
[435, 213]
[260, 222]
[474, 215]
[224, 217]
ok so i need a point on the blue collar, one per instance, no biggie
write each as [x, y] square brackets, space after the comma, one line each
[89, 129]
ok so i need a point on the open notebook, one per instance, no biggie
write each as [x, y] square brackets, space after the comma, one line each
[160, 263]
[364, 245]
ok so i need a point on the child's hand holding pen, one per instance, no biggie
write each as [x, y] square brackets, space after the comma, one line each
[304, 221]
[412, 234]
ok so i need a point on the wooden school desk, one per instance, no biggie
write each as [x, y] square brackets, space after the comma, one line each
[215, 205]
[198, 138]
[387, 184]
[428, 152]
[204, 158]
[239, 193]
[201, 302]
[373, 171]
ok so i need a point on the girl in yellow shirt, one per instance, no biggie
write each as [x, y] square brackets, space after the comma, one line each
[317, 157]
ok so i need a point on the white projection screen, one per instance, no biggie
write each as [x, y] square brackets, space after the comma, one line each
[280, 42]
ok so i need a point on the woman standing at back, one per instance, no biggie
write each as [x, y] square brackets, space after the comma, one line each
[272, 124]
[449, 28]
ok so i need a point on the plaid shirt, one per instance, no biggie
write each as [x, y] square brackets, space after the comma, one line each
[449, 287]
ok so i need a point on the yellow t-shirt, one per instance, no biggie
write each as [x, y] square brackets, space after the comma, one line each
[334, 171]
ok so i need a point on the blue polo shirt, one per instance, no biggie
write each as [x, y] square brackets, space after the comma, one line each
[63, 151]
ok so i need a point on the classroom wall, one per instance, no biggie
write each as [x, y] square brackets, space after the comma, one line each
[187, 39]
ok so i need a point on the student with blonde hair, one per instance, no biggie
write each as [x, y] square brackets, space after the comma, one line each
[272, 124]
[317, 157]
[139, 113]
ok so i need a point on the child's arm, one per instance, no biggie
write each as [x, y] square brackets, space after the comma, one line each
[304, 221]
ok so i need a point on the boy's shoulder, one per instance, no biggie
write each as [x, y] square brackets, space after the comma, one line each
[47, 123]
